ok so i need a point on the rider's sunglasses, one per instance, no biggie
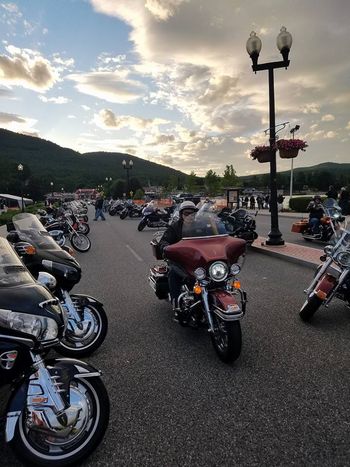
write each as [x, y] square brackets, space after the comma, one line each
[187, 213]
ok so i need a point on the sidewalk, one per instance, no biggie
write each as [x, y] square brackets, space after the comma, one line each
[290, 252]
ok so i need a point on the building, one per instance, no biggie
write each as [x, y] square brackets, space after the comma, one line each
[86, 193]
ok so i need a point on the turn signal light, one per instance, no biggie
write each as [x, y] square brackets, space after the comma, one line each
[197, 289]
[322, 295]
[236, 284]
[30, 250]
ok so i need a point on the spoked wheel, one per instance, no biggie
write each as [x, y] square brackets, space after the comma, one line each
[89, 399]
[84, 228]
[95, 325]
[123, 214]
[80, 242]
[309, 308]
[227, 339]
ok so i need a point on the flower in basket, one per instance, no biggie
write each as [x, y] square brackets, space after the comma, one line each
[291, 144]
[258, 150]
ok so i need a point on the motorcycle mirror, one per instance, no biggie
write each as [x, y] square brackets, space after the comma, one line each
[323, 258]
[48, 280]
[12, 237]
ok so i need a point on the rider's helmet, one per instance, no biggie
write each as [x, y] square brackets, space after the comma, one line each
[187, 205]
[317, 198]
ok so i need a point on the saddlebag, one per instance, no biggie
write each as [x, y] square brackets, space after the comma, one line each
[300, 226]
[158, 280]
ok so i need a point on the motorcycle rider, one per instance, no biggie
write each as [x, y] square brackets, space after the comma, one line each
[316, 213]
[173, 234]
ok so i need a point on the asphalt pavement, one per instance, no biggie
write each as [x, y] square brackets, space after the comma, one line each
[284, 402]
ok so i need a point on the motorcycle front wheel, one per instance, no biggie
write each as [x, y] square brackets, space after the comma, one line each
[80, 242]
[46, 448]
[141, 225]
[123, 214]
[227, 339]
[81, 346]
[84, 228]
[309, 308]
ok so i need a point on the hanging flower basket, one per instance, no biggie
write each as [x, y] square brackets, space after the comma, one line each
[261, 153]
[289, 148]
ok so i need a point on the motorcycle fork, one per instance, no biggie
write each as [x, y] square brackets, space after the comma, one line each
[74, 318]
[207, 309]
[323, 269]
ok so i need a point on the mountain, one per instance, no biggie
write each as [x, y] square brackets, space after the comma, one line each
[44, 161]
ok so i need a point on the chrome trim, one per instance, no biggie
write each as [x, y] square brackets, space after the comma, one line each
[207, 236]
[88, 375]
[11, 422]
[228, 316]
[53, 301]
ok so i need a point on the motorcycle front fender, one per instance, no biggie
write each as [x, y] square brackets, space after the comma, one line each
[86, 297]
[225, 305]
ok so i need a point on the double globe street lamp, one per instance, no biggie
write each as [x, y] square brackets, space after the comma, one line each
[20, 170]
[254, 44]
[128, 167]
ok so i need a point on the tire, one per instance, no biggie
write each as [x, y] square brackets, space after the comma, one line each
[227, 339]
[74, 347]
[84, 228]
[309, 308]
[141, 225]
[123, 214]
[80, 242]
[46, 450]
[112, 212]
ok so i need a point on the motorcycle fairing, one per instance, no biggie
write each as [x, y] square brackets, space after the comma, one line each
[86, 299]
[200, 252]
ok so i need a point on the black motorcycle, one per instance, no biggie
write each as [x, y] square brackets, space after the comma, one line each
[87, 322]
[240, 224]
[155, 217]
[131, 210]
[56, 411]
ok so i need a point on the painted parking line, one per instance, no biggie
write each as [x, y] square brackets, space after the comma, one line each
[134, 253]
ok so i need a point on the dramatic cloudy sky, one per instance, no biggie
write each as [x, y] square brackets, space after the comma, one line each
[171, 81]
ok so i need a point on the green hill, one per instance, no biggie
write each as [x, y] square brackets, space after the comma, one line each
[44, 161]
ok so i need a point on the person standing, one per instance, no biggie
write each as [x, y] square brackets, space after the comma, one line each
[99, 208]
[332, 193]
[344, 201]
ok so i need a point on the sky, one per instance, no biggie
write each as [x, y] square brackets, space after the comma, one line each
[170, 81]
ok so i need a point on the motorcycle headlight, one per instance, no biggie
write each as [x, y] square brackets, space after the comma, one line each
[218, 271]
[343, 258]
[42, 328]
[199, 274]
[235, 269]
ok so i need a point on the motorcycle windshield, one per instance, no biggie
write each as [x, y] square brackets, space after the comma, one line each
[331, 207]
[202, 225]
[31, 230]
[12, 271]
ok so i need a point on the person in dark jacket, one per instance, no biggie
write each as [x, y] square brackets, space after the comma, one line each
[316, 211]
[344, 201]
[173, 234]
[332, 193]
[99, 208]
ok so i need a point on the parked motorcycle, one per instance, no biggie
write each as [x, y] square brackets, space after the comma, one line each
[56, 410]
[131, 210]
[87, 322]
[155, 217]
[68, 226]
[332, 278]
[208, 260]
[240, 224]
[115, 208]
[329, 223]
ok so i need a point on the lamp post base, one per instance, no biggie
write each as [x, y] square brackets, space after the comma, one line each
[275, 238]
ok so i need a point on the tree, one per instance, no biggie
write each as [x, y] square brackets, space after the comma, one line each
[191, 182]
[135, 184]
[118, 188]
[229, 178]
[212, 182]
[139, 193]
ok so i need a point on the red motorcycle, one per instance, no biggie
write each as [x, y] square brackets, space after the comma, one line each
[208, 260]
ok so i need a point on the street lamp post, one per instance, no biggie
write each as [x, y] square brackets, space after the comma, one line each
[51, 184]
[127, 168]
[293, 130]
[20, 170]
[284, 43]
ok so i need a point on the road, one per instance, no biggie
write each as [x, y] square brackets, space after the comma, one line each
[284, 402]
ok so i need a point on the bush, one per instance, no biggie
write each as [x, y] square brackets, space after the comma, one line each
[300, 204]
[7, 216]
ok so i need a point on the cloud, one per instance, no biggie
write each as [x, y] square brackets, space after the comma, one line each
[111, 86]
[55, 100]
[9, 118]
[328, 118]
[17, 123]
[27, 68]
[107, 119]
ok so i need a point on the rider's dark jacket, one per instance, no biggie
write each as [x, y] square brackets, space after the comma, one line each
[173, 234]
[315, 210]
